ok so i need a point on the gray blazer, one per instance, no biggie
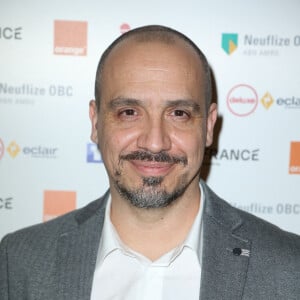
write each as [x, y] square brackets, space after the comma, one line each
[244, 257]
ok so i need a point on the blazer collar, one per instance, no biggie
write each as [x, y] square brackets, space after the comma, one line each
[77, 251]
[225, 253]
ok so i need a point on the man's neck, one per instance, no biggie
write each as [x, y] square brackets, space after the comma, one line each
[154, 232]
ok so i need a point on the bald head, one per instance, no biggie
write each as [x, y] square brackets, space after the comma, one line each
[153, 34]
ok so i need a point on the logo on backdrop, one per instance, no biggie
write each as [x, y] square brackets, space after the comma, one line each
[57, 203]
[92, 154]
[294, 167]
[11, 33]
[288, 102]
[124, 27]
[215, 156]
[283, 102]
[70, 38]
[6, 203]
[14, 149]
[267, 100]
[242, 100]
[252, 44]
[2, 149]
[275, 208]
[229, 42]
[28, 93]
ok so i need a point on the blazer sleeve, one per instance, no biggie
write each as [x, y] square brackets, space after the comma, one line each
[4, 285]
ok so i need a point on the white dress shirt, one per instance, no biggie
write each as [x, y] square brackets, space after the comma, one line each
[123, 274]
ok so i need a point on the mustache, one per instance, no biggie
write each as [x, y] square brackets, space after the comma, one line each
[157, 157]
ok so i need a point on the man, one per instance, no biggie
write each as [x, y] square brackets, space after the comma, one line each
[157, 233]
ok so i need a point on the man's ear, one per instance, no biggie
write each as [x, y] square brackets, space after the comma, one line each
[210, 123]
[93, 112]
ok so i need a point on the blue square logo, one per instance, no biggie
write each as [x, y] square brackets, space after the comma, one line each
[92, 154]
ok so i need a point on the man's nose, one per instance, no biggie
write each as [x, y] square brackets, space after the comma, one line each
[155, 137]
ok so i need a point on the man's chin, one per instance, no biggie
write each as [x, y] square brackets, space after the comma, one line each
[153, 181]
[150, 195]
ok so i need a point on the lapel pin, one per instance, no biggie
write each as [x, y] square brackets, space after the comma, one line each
[239, 251]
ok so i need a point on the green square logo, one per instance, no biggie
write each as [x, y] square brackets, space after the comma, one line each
[229, 42]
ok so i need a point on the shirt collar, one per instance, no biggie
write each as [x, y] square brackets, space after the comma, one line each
[194, 238]
[110, 240]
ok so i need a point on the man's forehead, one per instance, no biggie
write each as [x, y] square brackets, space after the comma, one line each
[129, 47]
[155, 62]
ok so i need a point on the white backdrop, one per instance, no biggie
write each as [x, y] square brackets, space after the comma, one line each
[49, 54]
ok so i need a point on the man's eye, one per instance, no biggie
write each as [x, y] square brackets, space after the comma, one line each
[180, 113]
[128, 112]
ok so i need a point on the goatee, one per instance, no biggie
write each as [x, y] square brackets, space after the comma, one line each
[152, 194]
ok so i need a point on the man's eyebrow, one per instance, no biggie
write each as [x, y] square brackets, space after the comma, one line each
[185, 103]
[117, 102]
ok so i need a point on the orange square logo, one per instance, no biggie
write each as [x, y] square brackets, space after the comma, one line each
[70, 38]
[57, 203]
[295, 158]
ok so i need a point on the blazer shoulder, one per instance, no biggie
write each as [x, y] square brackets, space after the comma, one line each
[45, 234]
[31, 258]
[265, 235]
[250, 227]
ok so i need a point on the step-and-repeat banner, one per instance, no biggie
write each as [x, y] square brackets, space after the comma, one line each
[49, 54]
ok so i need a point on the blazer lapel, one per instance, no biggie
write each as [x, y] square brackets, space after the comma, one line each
[77, 252]
[225, 254]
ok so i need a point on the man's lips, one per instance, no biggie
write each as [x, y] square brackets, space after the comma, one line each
[152, 168]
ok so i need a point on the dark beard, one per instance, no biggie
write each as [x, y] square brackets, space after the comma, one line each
[151, 194]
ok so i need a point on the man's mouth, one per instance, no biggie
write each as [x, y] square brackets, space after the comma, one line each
[152, 168]
[153, 164]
